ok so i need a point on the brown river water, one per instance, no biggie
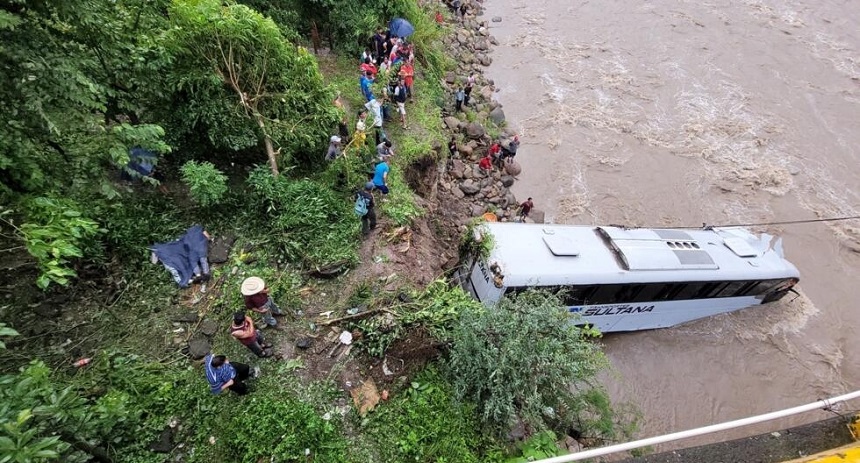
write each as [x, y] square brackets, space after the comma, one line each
[674, 113]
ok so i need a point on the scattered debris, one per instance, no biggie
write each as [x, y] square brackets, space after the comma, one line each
[365, 397]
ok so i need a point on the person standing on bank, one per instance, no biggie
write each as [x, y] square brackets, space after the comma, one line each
[364, 208]
[400, 99]
[470, 84]
[223, 374]
[380, 176]
[257, 299]
[243, 330]
[525, 208]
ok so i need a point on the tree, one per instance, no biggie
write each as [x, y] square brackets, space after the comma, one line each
[240, 76]
[523, 360]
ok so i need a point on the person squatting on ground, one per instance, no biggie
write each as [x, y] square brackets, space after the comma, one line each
[384, 151]
[223, 374]
[257, 299]
[486, 163]
[525, 208]
[333, 148]
[243, 330]
[364, 208]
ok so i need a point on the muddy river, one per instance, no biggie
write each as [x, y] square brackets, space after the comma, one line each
[675, 113]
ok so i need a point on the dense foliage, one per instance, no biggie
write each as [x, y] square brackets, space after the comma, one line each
[524, 361]
[206, 184]
[310, 222]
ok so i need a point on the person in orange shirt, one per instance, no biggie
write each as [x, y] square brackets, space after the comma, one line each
[243, 330]
[407, 72]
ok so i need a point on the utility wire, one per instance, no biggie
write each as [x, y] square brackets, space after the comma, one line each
[786, 222]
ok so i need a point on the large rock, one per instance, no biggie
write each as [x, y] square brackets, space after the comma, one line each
[477, 210]
[475, 130]
[198, 348]
[467, 150]
[208, 327]
[482, 45]
[468, 187]
[487, 92]
[452, 122]
[219, 248]
[497, 115]
[458, 168]
[458, 193]
[537, 216]
[450, 77]
[497, 19]
[513, 168]
[507, 181]
[510, 200]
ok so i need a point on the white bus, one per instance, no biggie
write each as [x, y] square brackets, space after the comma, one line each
[623, 279]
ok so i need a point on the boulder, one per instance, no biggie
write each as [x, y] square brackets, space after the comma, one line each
[452, 122]
[497, 19]
[497, 115]
[493, 40]
[198, 348]
[482, 45]
[475, 130]
[468, 187]
[487, 92]
[467, 150]
[164, 442]
[458, 167]
[537, 216]
[208, 327]
[477, 210]
[510, 200]
[507, 181]
[513, 168]
[450, 78]
[458, 193]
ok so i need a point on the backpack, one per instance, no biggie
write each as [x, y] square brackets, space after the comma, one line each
[360, 205]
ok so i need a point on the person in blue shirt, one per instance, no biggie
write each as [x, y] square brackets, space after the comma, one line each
[365, 81]
[380, 175]
[223, 374]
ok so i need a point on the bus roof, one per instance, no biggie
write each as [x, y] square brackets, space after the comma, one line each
[542, 254]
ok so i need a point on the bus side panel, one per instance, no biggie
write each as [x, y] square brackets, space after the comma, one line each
[661, 314]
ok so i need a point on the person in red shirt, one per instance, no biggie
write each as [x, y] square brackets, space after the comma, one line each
[257, 298]
[525, 208]
[368, 66]
[486, 163]
[243, 330]
[494, 152]
[407, 72]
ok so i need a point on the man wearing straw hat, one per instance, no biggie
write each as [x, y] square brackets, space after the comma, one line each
[257, 299]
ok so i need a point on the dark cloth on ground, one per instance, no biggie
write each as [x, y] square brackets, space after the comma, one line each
[185, 256]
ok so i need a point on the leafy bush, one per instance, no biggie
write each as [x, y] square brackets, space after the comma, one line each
[424, 423]
[310, 222]
[55, 233]
[141, 220]
[206, 184]
[283, 427]
[524, 360]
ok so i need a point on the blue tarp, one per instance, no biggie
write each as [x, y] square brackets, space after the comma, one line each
[186, 256]
[400, 27]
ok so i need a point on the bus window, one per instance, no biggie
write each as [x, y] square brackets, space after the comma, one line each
[578, 295]
[649, 292]
[690, 290]
[670, 291]
[606, 294]
[762, 287]
[731, 289]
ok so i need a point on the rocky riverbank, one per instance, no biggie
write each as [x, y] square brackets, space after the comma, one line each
[482, 123]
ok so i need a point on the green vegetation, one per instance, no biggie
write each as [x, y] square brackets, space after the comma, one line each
[239, 112]
[206, 184]
[525, 362]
